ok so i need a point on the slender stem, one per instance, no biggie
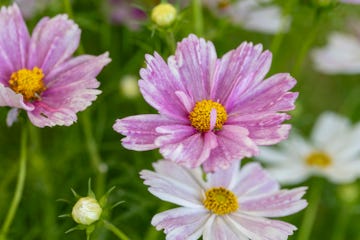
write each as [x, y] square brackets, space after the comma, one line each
[115, 230]
[19, 186]
[93, 153]
[198, 17]
[341, 222]
[311, 210]
[308, 42]
[68, 8]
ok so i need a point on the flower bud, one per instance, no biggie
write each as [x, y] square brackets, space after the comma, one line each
[86, 211]
[163, 14]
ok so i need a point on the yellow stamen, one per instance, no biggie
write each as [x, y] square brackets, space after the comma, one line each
[200, 115]
[220, 201]
[318, 159]
[28, 82]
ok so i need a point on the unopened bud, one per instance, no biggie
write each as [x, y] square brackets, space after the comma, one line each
[163, 14]
[86, 211]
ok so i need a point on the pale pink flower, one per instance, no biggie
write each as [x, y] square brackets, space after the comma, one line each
[39, 75]
[229, 204]
[211, 111]
[350, 1]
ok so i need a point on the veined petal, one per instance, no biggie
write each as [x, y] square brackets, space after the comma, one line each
[158, 86]
[195, 61]
[53, 41]
[270, 95]
[254, 180]
[260, 228]
[140, 130]
[12, 99]
[276, 204]
[224, 177]
[232, 143]
[14, 42]
[175, 184]
[219, 229]
[239, 70]
[182, 223]
[191, 151]
[290, 173]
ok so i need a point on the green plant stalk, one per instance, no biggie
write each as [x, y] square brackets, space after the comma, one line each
[19, 186]
[115, 230]
[311, 210]
[342, 221]
[198, 18]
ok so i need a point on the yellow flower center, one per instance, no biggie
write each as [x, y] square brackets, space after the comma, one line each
[200, 115]
[163, 14]
[220, 201]
[318, 159]
[28, 82]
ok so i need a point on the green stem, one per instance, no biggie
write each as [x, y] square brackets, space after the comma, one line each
[198, 17]
[308, 42]
[311, 210]
[94, 155]
[341, 222]
[115, 230]
[19, 186]
[68, 8]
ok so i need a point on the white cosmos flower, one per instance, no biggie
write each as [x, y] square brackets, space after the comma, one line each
[228, 204]
[340, 55]
[333, 151]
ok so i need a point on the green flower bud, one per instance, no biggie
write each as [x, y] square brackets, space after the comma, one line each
[86, 211]
[163, 14]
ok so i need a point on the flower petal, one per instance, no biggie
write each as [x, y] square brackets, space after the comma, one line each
[260, 228]
[53, 41]
[276, 204]
[195, 61]
[232, 143]
[159, 84]
[238, 70]
[191, 151]
[254, 180]
[140, 130]
[219, 229]
[174, 183]
[14, 41]
[182, 223]
[12, 99]
[224, 177]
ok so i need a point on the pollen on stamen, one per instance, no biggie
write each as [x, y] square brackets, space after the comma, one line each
[318, 159]
[220, 201]
[200, 116]
[28, 82]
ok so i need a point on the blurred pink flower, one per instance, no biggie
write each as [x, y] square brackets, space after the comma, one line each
[333, 151]
[31, 7]
[351, 1]
[37, 72]
[211, 111]
[126, 13]
[229, 204]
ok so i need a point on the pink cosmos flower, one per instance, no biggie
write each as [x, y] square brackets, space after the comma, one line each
[211, 111]
[39, 75]
[229, 204]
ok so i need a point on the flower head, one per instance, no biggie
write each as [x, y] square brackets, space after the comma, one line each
[229, 204]
[38, 73]
[333, 151]
[163, 14]
[341, 55]
[211, 111]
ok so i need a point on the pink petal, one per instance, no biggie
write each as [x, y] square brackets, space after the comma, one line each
[140, 130]
[254, 180]
[261, 228]
[52, 42]
[268, 96]
[45, 116]
[191, 151]
[182, 223]
[158, 86]
[224, 177]
[277, 204]
[270, 135]
[239, 70]
[12, 99]
[233, 143]
[219, 229]
[175, 184]
[12, 116]
[14, 41]
[195, 61]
